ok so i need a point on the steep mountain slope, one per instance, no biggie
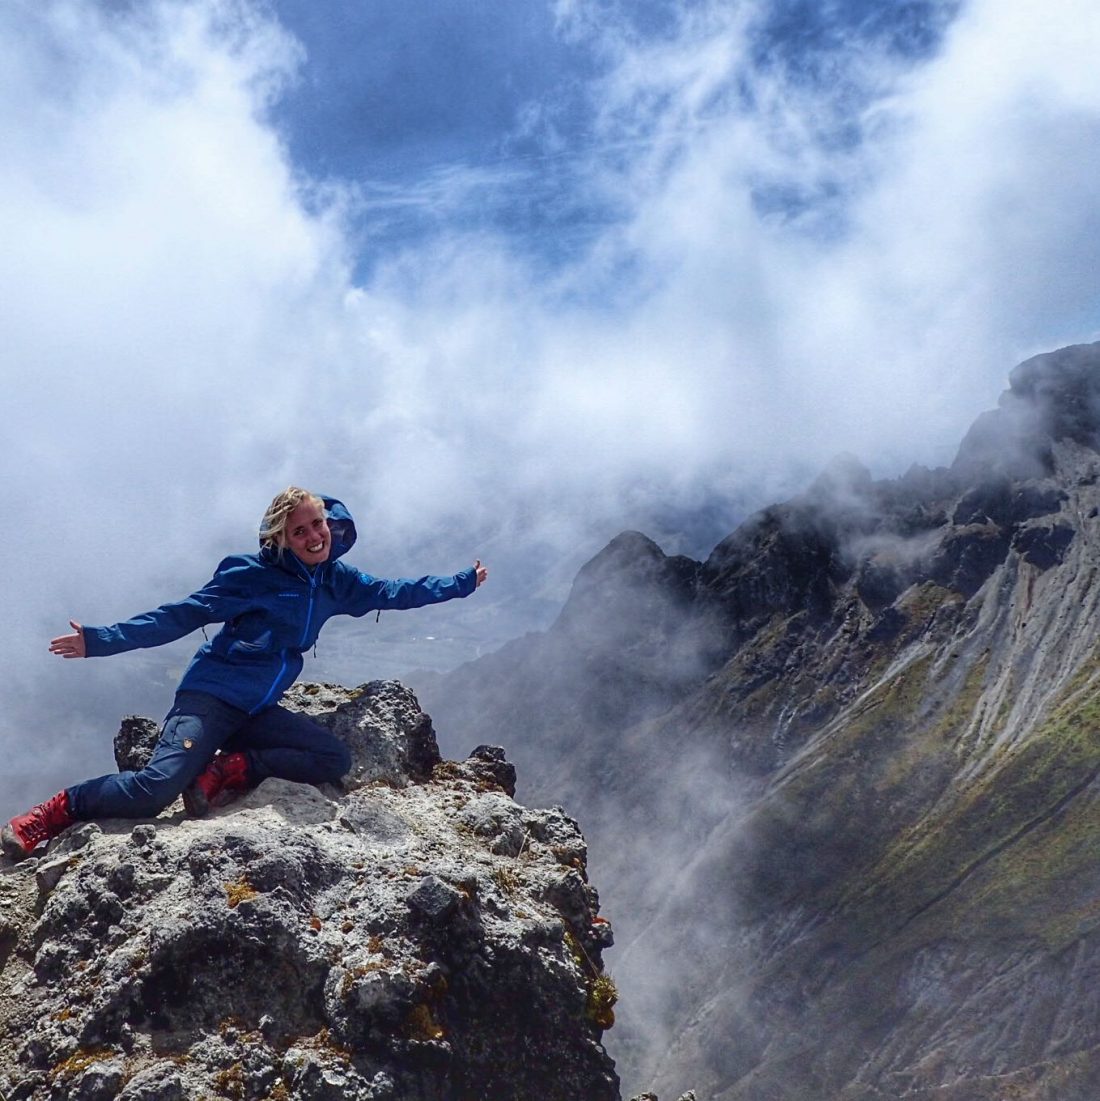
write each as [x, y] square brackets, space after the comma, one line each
[840, 779]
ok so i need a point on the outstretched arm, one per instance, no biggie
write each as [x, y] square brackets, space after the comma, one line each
[69, 646]
[362, 593]
[225, 595]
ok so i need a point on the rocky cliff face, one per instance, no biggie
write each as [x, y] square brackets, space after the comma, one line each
[841, 777]
[418, 936]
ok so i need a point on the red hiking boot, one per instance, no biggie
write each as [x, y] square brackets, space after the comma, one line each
[226, 774]
[24, 833]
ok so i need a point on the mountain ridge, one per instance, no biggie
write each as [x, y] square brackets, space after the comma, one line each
[855, 739]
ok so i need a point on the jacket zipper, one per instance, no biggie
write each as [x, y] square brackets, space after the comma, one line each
[309, 610]
[305, 635]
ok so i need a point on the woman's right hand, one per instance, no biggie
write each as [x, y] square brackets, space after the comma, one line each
[69, 646]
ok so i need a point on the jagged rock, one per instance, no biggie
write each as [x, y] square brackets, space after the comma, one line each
[48, 873]
[1054, 396]
[1002, 502]
[160, 1082]
[489, 761]
[1044, 544]
[395, 941]
[134, 742]
[390, 738]
[967, 556]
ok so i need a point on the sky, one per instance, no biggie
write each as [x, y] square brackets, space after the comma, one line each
[507, 277]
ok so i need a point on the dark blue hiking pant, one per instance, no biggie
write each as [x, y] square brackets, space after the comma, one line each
[276, 742]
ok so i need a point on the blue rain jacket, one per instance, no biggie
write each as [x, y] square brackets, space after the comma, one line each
[273, 607]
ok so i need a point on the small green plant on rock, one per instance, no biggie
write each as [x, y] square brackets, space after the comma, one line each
[602, 991]
[602, 996]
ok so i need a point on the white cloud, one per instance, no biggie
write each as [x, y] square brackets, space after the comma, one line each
[182, 337]
[159, 275]
[968, 233]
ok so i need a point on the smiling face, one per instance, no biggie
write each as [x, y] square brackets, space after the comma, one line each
[307, 535]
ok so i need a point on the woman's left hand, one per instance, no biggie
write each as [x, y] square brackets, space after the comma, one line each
[480, 571]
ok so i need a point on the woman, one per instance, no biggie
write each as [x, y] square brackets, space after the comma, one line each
[225, 732]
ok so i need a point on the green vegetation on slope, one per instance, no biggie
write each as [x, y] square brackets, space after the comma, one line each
[1024, 813]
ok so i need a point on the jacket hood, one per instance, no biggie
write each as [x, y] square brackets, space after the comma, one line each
[341, 531]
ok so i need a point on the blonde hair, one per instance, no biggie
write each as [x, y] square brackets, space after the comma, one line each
[273, 525]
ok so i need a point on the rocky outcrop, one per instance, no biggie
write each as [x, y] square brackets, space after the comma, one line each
[415, 936]
[873, 804]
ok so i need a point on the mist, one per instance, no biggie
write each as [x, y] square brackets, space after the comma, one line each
[776, 266]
